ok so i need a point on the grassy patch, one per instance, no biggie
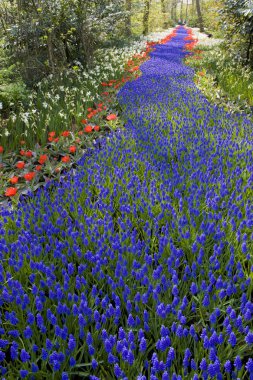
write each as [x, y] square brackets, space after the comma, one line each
[222, 80]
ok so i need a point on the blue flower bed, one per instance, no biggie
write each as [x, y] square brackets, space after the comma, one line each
[138, 266]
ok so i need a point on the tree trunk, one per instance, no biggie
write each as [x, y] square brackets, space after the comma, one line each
[193, 10]
[4, 17]
[200, 18]
[173, 10]
[128, 18]
[84, 37]
[186, 11]
[66, 49]
[249, 47]
[181, 11]
[88, 47]
[146, 16]
[50, 52]
[165, 23]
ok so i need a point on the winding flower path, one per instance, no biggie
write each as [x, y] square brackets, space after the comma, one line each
[140, 265]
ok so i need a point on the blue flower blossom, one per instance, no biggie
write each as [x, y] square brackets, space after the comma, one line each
[23, 373]
[24, 356]
[146, 229]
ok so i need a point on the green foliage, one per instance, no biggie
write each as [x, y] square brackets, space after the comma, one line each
[11, 94]
[222, 80]
[59, 102]
[193, 21]
[228, 79]
[12, 89]
[237, 18]
[211, 16]
[210, 13]
[157, 19]
[49, 35]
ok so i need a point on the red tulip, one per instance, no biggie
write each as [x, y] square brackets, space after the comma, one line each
[65, 133]
[29, 153]
[20, 165]
[10, 192]
[72, 149]
[14, 180]
[29, 176]
[42, 159]
[65, 159]
[112, 116]
[88, 129]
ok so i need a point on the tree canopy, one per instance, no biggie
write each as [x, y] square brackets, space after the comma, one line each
[237, 20]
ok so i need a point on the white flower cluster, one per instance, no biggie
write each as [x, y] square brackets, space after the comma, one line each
[204, 40]
[58, 101]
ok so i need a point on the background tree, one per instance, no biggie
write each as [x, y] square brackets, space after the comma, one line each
[173, 10]
[128, 17]
[46, 35]
[164, 13]
[200, 17]
[43, 37]
[146, 17]
[186, 10]
[237, 18]
[181, 10]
